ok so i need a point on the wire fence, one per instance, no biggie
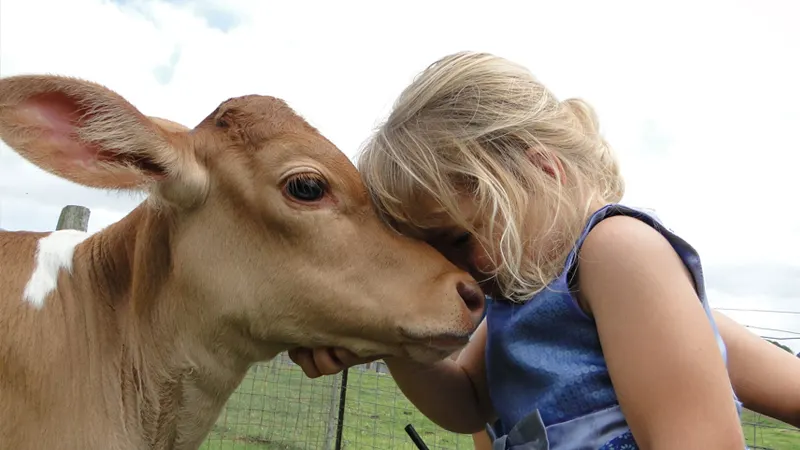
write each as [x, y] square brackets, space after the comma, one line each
[766, 433]
[278, 407]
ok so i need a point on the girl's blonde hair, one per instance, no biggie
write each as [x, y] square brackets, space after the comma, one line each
[479, 125]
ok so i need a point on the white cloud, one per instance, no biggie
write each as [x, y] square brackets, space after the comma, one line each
[700, 98]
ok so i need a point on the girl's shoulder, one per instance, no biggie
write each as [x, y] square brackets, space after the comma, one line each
[629, 239]
[627, 220]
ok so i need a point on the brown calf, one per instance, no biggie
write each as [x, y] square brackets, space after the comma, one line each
[257, 236]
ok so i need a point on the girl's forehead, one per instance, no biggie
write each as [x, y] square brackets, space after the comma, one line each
[427, 224]
[429, 219]
[431, 235]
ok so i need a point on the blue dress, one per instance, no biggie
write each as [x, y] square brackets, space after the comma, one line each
[548, 380]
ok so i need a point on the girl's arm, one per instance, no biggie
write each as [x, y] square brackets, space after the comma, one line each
[766, 378]
[660, 349]
[451, 393]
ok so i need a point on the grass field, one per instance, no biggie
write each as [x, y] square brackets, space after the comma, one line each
[277, 407]
[764, 432]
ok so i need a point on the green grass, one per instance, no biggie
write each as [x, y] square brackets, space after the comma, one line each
[277, 407]
[764, 432]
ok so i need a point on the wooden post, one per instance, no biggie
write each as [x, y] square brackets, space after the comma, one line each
[74, 217]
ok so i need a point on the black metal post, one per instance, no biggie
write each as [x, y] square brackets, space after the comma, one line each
[415, 437]
[342, 402]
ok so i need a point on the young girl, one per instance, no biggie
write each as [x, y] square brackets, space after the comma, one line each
[599, 334]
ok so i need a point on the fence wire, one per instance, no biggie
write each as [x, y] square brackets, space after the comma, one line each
[278, 407]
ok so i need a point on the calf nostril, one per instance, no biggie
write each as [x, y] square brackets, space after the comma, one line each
[472, 296]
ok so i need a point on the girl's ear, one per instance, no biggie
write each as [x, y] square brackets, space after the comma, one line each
[549, 163]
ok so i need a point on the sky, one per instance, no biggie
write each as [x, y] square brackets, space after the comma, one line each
[700, 100]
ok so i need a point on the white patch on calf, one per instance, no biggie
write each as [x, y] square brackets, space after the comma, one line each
[53, 254]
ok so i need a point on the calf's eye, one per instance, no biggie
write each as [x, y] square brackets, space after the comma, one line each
[306, 188]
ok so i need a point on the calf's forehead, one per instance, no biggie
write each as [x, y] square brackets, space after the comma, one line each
[257, 117]
[269, 126]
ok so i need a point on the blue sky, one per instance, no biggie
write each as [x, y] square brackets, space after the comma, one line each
[700, 99]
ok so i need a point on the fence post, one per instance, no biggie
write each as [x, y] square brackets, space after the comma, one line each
[332, 422]
[342, 402]
[74, 217]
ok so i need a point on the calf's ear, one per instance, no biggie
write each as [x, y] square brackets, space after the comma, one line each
[90, 135]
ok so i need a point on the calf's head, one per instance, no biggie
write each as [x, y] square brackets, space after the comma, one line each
[271, 228]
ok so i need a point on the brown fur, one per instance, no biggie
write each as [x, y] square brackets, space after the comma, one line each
[142, 343]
